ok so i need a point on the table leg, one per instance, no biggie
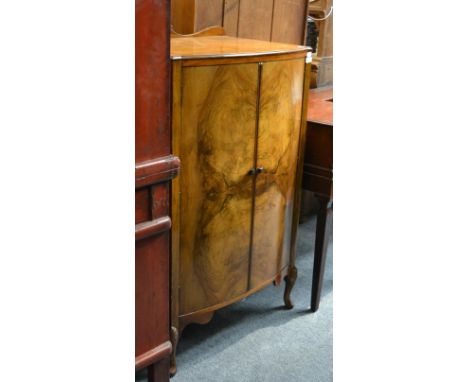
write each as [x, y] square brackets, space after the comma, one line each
[320, 252]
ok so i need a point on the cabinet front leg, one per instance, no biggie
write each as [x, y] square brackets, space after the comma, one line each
[290, 280]
[174, 341]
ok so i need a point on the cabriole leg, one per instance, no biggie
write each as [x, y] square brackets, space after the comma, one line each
[290, 280]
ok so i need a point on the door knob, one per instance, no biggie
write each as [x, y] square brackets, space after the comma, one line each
[257, 170]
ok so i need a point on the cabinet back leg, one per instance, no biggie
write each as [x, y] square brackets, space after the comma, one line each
[290, 280]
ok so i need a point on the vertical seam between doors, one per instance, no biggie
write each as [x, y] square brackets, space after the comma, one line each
[254, 179]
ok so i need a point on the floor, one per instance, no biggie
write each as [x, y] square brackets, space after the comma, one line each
[257, 340]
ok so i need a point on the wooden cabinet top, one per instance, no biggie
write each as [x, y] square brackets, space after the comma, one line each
[222, 47]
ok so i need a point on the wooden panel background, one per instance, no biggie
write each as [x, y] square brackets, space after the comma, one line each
[288, 24]
[255, 18]
[270, 20]
[209, 13]
[231, 17]
[324, 59]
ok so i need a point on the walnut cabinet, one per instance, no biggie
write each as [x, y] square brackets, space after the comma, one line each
[238, 112]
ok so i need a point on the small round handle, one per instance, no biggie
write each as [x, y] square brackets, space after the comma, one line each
[260, 170]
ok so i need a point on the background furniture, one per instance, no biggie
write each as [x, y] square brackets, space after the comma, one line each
[322, 64]
[238, 125]
[270, 20]
[154, 168]
[318, 176]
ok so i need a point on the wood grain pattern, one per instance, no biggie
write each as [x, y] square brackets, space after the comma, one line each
[154, 168]
[231, 16]
[217, 147]
[158, 371]
[320, 107]
[152, 227]
[183, 16]
[175, 196]
[209, 13]
[255, 18]
[288, 23]
[210, 31]
[151, 293]
[278, 138]
[142, 205]
[152, 75]
[300, 160]
[154, 355]
[188, 48]
[234, 112]
[261, 57]
[268, 20]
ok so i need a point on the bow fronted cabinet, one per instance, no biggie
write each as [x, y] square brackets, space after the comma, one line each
[238, 126]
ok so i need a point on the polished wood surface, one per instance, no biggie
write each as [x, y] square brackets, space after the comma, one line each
[152, 75]
[154, 168]
[318, 177]
[210, 31]
[320, 107]
[268, 20]
[216, 190]
[318, 164]
[158, 372]
[189, 48]
[278, 138]
[237, 128]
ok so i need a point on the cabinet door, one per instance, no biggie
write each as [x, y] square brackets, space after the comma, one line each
[217, 139]
[278, 137]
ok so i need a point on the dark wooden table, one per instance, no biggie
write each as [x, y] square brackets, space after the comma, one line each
[318, 176]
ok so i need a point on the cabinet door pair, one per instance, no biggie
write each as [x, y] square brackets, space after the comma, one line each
[238, 145]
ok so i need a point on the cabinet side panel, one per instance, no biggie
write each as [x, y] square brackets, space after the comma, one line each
[278, 138]
[216, 149]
